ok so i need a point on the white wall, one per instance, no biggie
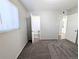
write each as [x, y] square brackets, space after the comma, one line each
[12, 43]
[49, 24]
[72, 24]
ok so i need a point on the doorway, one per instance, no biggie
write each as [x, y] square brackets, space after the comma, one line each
[35, 23]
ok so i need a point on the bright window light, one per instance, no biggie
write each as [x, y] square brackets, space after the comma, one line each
[8, 16]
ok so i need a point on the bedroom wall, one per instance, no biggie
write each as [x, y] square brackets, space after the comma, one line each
[12, 42]
[49, 24]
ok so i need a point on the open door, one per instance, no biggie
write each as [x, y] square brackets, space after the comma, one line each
[72, 26]
[29, 29]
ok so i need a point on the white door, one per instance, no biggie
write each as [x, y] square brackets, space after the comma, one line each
[72, 27]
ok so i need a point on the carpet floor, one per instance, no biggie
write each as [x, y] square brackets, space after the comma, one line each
[54, 49]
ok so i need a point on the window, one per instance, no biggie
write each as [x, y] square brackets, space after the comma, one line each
[9, 19]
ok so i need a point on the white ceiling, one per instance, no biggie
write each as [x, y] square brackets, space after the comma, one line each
[42, 5]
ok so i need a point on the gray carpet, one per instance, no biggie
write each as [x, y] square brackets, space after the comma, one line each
[56, 49]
